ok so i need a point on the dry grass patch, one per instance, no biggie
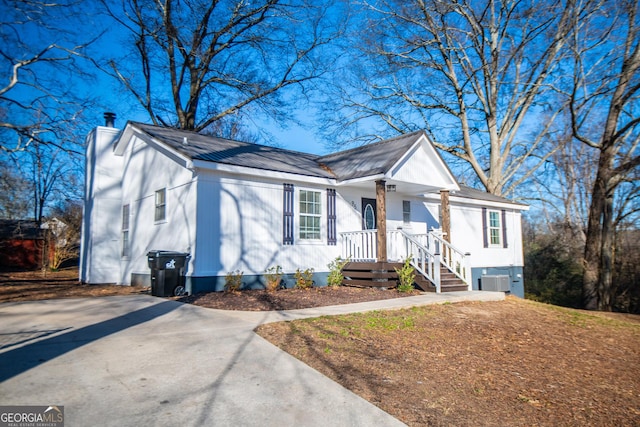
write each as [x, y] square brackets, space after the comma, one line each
[516, 363]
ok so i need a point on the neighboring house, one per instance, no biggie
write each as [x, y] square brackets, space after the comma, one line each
[22, 244]
[238, 206]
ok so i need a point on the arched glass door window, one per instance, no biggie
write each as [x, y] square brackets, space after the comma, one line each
[369, 214]
[369, 218]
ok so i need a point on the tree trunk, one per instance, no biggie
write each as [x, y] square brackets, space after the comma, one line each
[596, 283]
[605, 284]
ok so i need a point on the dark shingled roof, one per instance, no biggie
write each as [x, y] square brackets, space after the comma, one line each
[372, 159]
[236, 153]
[367, 160]
[472, 193]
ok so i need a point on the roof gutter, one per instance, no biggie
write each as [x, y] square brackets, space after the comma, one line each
[262, 173]
[479, 202]
[360, 180]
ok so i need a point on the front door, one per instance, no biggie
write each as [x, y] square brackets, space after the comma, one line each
[368, 214]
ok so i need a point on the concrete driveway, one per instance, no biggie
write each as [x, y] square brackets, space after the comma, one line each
[146, 361]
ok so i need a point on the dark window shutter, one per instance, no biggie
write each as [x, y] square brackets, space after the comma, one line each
[505, 244]
[287, 225]
[332, 235]
[485, 237]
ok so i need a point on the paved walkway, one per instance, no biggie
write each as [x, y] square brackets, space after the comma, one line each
[141, 360]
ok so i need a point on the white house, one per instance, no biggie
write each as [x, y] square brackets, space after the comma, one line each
[239, 206]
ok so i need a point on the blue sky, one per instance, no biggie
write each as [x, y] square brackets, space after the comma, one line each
[299, 134]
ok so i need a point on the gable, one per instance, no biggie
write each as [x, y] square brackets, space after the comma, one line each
[423, 166]
[369, 160]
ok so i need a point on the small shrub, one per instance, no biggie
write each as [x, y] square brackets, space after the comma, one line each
[406, 276]
[273, 276]
[304, 278]
[233, 281]
[335, 271]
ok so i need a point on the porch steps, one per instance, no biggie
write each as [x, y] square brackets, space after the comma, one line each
[449, 282]
[371, 274]
[383, 275]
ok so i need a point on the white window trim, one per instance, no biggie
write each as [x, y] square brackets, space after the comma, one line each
[298, 217]
[156, 206]
[498, 228]
[126, 227]
[406, 223]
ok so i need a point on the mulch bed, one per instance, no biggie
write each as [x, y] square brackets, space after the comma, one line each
[39, 285]
[290, 299]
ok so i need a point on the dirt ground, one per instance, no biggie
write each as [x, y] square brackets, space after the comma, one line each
[511, 363]
[36, 285]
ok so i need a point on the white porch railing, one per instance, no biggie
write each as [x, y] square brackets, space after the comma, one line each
[360, 246]
[425, 261]
[454, 259]
[427, 251]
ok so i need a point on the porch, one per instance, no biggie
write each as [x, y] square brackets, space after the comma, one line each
[439, 266]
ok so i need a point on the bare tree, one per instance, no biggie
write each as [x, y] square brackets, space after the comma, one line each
[561, 189]
[14, 191]
[38, 54]
[605, 112]
[37, 178]
[194, 63]
[47, 171]
[65, 232]
[478, 76]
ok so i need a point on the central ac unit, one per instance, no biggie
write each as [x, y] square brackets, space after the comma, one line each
[497, 283]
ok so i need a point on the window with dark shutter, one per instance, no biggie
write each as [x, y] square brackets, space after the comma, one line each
[494, 228]
[287, 226]
[332, 237]
[310, 215]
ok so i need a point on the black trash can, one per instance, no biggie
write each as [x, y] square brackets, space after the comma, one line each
[167, 272]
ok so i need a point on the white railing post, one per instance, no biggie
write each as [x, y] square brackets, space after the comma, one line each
[436, 271]
[467, 270]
